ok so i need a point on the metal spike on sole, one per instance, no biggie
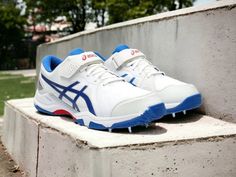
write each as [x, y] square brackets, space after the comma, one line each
[130, 130]
[173, 114]
[110, 130]
[184, 112]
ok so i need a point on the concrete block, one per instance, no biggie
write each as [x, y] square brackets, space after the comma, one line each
[20, 137]
[191, 145]
[60, 155]
[196, 45]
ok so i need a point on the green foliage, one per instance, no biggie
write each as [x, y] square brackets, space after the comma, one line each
[122, 10]
[79, 12]
[46, 11]
[99, 8]
[11, 32]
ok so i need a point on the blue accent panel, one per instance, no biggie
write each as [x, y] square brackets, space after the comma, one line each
[76, 51]
[157, 111]
[80, 122]
[154, 112]
[188, 104]
[55, 86]
[120, 48]
[85, 97]
[132, 80]
[97, 126]
[67, 88]
[102, 57]
[50, 62]
[63, 94]
[42, 110]
[76, 98]
[88, 103]
[124, 75]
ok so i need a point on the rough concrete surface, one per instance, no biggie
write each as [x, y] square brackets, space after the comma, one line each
[20, 137]
[187, 145]
[196, 45]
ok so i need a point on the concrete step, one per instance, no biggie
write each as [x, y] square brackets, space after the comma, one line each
[190, 145]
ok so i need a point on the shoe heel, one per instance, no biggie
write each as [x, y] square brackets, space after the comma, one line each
[45, 102]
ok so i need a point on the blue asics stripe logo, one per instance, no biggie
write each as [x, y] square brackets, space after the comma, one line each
[79, 93]
[124, 75]
[131, 80]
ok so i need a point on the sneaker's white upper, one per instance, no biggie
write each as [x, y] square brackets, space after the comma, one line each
[99, 90]
[133, 66]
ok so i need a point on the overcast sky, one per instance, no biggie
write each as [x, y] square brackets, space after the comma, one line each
[198, 2]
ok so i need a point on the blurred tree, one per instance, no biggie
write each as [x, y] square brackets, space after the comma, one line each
[79, 12]
[11, 33]
[44, 11]
[99, 8]
[122, 10]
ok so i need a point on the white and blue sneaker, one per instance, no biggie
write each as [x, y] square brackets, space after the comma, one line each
[132, 65]
[82, 87]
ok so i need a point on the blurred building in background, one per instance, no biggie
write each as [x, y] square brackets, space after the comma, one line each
[24, 24]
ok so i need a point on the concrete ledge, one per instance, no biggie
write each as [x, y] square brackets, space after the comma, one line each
[158, 17]
[192, 145]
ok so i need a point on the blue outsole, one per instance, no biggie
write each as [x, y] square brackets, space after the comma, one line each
[189, 103]
[153, 113]
[41, 110]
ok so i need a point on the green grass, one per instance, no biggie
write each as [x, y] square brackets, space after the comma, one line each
[15, 86]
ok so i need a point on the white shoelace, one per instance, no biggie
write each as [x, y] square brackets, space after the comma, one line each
[144, 66]
[100, 73]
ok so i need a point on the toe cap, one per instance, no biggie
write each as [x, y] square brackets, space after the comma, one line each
[177, 93]
[136, 105]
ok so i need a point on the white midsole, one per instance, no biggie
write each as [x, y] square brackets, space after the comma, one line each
[51, 103]
[171, 105]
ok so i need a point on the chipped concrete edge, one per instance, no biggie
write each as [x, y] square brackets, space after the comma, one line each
[41, 124]
[175, 143]
[138, 146]
[229, 4]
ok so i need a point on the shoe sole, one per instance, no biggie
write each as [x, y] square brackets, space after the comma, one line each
[189, 103]
[89, 120]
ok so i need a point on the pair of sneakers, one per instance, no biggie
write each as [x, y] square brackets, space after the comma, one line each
[123, 91]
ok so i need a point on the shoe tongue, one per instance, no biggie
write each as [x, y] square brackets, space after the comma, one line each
[119, 48]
